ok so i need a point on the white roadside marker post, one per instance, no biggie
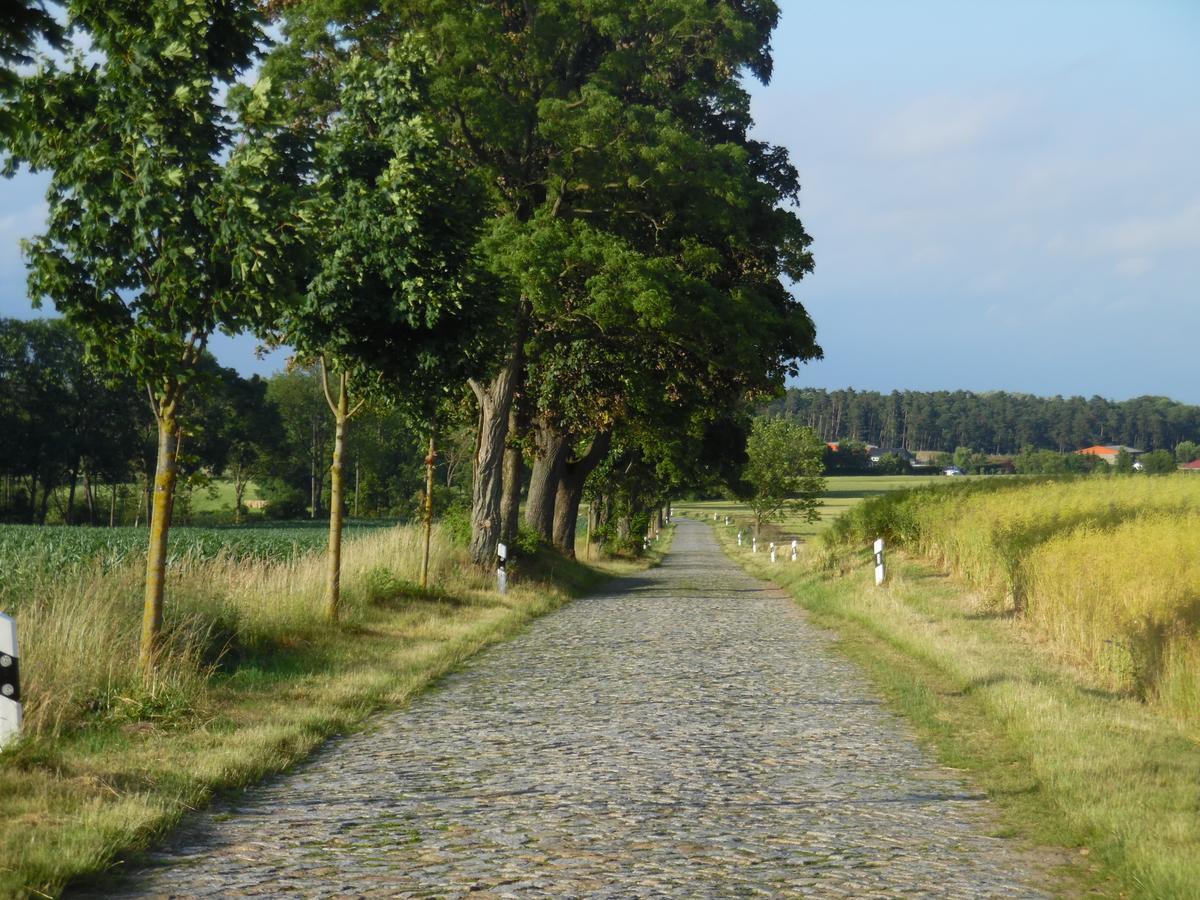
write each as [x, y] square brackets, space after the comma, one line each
[880, 572]
[753, 545]
[794, 543]
[10, 682]
[739, 537]
[727, 520]
[772, 551]
[501, 574]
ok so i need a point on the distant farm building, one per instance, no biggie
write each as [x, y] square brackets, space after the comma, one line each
[1109, 452]
[877, 453]
[1190, 467]
[257, 504]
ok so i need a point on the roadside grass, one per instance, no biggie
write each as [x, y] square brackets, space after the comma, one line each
[254, 681]
[1071, 761]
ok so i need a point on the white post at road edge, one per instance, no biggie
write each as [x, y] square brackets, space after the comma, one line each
[501, 574]
[879, 569]
[10, 682]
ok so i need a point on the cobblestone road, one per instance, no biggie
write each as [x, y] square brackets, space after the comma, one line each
[687, 734]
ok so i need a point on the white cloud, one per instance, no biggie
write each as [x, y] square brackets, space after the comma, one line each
[1172, 230]
[938, 124]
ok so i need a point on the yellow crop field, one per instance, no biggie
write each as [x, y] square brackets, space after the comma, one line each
[1105, 568]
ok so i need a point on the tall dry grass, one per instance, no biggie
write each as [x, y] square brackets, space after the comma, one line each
[1107, 568]
[79, 633]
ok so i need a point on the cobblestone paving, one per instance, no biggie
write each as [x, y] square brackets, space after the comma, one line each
[687, 734]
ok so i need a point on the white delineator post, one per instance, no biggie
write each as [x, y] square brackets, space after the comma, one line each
[880, 572]
[772, 551]
[501, 574]
[753, 545]
[794, 546]
[739, 538]
[10, 682]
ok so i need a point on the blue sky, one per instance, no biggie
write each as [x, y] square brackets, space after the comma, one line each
[1002, 195]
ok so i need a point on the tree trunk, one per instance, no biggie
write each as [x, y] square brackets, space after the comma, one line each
[430, 459]
[312, 476]
[553, 447]
[510, 498]
[165, 473]
[239, 491]
[69, 515]
[47, 492]
[570, 492]
[495, 401]
[333, 589]
[90, 499]
[112, 507]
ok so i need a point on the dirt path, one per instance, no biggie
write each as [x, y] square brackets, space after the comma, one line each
[685, 734]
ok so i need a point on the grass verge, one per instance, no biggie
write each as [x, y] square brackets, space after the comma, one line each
[1069, 763]
[86, 796]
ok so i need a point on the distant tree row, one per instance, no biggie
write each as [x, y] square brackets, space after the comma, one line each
[995, 422]
[78, 447]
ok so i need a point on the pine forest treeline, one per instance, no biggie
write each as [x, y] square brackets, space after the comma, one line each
[993, 422]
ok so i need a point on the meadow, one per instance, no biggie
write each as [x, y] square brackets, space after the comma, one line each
[842, 492]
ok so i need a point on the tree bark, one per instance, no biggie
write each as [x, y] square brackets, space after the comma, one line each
[510, 498]
[495, 401]
[430, 459]
[553, 447]
[166, 471]
[69, 514]
[570, 492]
[89, 498]
[341, 414]
[239, 492]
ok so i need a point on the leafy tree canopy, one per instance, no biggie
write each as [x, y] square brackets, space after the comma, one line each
[784, 467]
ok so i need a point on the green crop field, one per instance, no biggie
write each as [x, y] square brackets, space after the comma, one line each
[32, 554]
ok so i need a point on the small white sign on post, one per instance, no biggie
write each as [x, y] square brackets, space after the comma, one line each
[880, 572]
[501, 574]
[794, 547]
[10, 682]
[772, 551]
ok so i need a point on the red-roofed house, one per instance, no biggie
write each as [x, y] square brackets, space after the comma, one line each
[1191, 467]
[1108, 452]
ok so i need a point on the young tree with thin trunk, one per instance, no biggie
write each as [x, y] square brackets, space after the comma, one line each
[784, 469]
[392, 230]
[162, 228]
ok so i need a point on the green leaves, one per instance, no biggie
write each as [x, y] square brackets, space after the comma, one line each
[390, 228]
[784, 469]
[160, 228]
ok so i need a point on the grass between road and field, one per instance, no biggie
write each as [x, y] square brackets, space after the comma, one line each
[1112, 782]
[103, 774]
